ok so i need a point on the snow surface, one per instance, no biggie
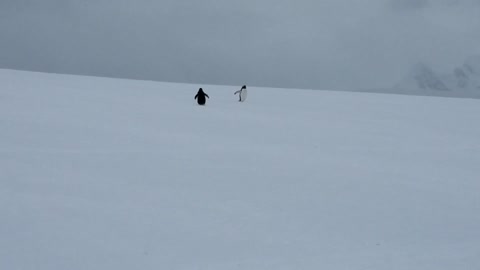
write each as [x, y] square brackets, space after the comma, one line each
[100, 173]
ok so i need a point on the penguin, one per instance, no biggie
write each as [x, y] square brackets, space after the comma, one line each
[242, 93]
[200, 97]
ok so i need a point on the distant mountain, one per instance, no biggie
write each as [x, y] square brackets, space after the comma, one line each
[468, 75]
[463, 81]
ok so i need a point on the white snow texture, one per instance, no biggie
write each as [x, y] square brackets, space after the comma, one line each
[113, 174]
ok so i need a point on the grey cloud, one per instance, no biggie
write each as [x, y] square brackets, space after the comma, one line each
[409, 4]
[308, 44]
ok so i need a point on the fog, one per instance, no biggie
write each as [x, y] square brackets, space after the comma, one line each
[326, 44]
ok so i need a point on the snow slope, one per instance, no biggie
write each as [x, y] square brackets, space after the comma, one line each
[100, 173]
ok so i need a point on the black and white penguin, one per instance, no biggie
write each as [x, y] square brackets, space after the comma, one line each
[200, 97]
[242, 94]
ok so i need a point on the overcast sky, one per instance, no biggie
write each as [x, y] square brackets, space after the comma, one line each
[321, 44]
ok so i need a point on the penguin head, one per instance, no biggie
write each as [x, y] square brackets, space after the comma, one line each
[200, 90]
[244, 87]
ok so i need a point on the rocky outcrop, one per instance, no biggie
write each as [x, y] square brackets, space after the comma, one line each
[463, 81]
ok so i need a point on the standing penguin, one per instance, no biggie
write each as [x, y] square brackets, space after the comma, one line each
[242, 93]
[200, 97]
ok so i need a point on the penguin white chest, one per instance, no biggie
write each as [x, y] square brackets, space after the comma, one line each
[243, 95]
